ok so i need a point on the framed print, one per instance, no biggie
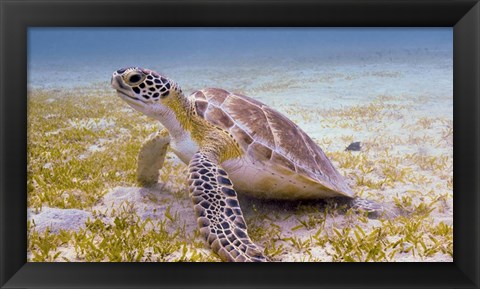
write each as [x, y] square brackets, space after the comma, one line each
[144, 143]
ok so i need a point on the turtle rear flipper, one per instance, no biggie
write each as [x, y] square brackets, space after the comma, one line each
[372, 209]
[219, 216]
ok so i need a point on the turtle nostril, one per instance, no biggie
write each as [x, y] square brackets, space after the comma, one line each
[121, 70]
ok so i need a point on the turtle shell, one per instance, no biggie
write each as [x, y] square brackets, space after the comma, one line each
[268, 136]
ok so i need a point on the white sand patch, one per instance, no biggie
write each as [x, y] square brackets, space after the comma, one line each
[58, 219]
[48, 166]
[94, 124]
[152, 203]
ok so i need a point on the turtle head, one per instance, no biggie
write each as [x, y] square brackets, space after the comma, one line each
[146, 91]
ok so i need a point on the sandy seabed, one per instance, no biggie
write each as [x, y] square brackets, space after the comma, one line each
[402, 114]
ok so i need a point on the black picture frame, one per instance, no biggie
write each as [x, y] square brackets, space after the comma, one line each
[17, 16]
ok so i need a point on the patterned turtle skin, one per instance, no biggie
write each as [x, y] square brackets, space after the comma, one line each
[231, 143]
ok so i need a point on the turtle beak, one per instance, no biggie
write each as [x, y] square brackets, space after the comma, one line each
[119, 85]
[117, 82]
[123, 90]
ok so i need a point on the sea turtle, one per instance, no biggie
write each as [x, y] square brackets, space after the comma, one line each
[231, 143]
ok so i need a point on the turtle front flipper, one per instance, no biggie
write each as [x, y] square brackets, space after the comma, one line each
[218, 213]
[151, 157]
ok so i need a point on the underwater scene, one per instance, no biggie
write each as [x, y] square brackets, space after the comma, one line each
[377, 101]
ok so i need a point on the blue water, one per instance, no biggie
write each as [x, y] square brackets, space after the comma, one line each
[59, 57]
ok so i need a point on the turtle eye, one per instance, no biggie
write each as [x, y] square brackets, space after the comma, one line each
[134, 78]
